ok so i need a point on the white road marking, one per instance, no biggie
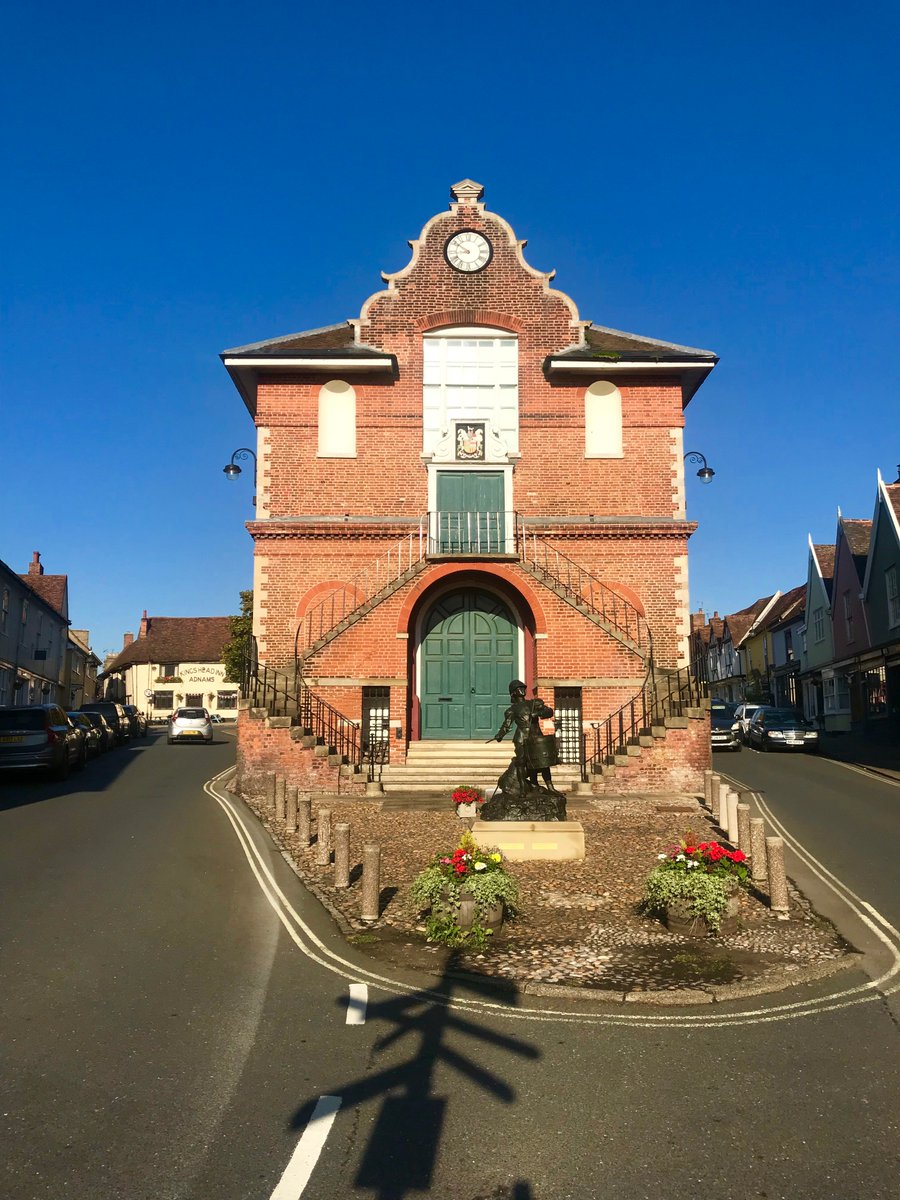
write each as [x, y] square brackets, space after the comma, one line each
[356, 1008]
[306, 1154]
[316, 951]
[878, 917]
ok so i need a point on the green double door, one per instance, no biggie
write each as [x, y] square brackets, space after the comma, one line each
[470, 512]
[469, 654]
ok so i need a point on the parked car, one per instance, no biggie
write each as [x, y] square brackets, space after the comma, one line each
[725, 732]
[93, 739]
[136, 719]
[115, 715]
[216, 719]
[40, 737]
[107, 733]
[782, 729]
[190, 725]
[743, 714]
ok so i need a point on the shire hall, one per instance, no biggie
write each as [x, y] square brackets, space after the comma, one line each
[468, 483]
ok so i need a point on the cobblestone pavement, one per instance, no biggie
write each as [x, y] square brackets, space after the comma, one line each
[579, 923]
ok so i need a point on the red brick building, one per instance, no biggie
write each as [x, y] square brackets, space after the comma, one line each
[466, 484]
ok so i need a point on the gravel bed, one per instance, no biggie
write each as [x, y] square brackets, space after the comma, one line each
[579, 923]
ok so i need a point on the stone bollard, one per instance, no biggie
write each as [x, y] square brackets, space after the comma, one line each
[342, 854]
[730, 824]
[290, 809]
[778, 892]
[715, 798]
[304, 821]
[270, 793]
[323, 837]
[759, 870]
[371, 883]
[280, 794]
[707, 788]
[743, 827]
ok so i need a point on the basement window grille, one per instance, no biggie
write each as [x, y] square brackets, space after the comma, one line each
[567, 714]
[376, 711]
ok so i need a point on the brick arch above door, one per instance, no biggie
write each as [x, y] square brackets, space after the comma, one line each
[517, 591]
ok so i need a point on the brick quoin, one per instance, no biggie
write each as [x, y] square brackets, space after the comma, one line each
[323, 523]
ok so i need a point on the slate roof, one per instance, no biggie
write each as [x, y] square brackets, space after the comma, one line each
[176, 640]
[739, 623]
[326, 339]
[613, 344]
[52, 589]
[893, 491]
[788, 607]
[825, 558]
[858, 535]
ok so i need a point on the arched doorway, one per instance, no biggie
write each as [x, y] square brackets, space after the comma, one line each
[469, 652]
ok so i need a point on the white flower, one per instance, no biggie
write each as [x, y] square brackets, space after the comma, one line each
[662, 856]
[481, 866]
[681, 858]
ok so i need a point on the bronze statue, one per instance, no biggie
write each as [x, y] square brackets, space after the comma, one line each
[519, 797]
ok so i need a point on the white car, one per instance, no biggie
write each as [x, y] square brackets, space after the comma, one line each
[190, 725]
[743, 714]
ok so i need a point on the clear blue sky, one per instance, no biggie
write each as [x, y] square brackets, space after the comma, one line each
[184, 178]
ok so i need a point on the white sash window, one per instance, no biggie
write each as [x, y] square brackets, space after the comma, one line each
[470, 374]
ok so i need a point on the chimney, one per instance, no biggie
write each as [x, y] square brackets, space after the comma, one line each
[145, 625]
[698, 620]
[34, 567]
[129, 638]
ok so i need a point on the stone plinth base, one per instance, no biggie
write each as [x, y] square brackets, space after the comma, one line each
[529, 841]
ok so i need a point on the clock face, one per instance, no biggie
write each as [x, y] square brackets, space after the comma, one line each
[468, 251]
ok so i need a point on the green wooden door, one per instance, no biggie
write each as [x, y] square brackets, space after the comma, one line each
[470, 512]
[469, 655]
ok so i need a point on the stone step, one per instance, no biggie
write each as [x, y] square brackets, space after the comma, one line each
[438, 802]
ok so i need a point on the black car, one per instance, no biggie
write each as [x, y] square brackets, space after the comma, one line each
[115, 714]
[93, 739]
[725, 729]
[108, 737]
[39, 737]
[782, 729]
[136, 719]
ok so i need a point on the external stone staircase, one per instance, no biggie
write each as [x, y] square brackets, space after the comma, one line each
[439, 767]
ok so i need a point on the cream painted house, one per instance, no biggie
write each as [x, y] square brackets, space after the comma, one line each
[174, 662]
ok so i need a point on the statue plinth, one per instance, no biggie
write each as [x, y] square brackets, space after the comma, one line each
[531, 841]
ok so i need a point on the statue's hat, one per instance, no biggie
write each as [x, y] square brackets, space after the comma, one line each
[516, 685]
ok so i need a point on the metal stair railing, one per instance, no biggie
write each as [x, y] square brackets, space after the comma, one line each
[672, 692]
[282, 695]
[618, 615]
[378, 580]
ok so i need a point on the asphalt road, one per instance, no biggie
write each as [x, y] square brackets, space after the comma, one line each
[846, 819]
[175, 1009]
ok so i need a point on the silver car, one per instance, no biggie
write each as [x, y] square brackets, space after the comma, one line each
[190, 725]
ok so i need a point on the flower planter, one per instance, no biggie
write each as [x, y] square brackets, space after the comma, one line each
[464, 912]
[467, 812]
[680, 919]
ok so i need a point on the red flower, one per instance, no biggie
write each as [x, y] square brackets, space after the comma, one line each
[737, 856]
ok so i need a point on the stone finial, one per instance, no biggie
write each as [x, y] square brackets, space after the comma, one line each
[467, 191]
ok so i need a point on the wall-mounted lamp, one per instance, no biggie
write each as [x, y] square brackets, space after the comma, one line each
[706, 472]
[232, 470]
